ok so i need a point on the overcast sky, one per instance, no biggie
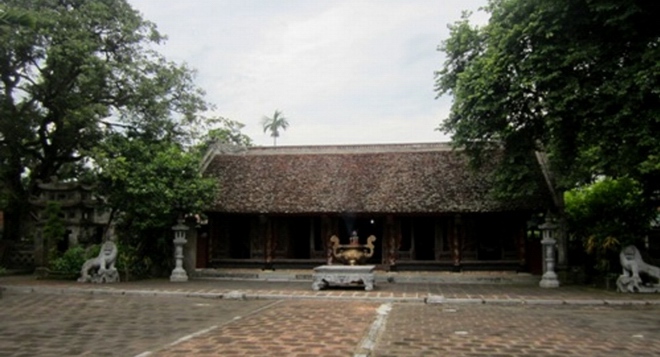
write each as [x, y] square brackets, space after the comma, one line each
[342, 72]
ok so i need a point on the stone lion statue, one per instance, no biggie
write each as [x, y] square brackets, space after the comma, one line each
[102, 268]
[633, 265]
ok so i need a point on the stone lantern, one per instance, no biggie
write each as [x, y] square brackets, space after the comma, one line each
[179, 274]
[549, 278]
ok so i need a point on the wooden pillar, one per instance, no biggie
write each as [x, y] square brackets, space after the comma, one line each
[311, 238]
[456, 242]
[522, 252]
[392, 241]
[326, 233]
[269, 241]
[202, 258]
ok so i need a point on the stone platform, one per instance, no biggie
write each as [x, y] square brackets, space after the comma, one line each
[344, 275]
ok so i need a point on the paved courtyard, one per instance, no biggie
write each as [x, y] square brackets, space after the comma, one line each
[46, 324]
[520, 330]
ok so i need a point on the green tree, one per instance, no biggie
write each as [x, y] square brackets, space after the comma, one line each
[606, 216]
[11, 17]
[149, 184]
[274, 125]
[575, 81]
[54, 229]
[87, 69]
[227, 131]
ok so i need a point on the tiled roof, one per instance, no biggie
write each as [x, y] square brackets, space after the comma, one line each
[404, 178]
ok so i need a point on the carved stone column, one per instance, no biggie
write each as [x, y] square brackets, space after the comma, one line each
[179, 274]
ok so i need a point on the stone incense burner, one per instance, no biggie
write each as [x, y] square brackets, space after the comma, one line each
[352, 254]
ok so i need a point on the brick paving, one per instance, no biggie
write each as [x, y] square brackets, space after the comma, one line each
[84, 325]
[290, 328]
[287, 318]
[521, 330]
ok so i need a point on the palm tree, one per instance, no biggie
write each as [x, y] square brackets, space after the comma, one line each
[274, 125]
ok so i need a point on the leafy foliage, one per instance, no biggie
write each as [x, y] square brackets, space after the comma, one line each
[576, 83]
[150, 183]
[12, 17]
[576, 79]
[226, 131]
[54, 228]
[608, 208]
[606, 216]
[71, 261]
[85, 70]
[132, 263]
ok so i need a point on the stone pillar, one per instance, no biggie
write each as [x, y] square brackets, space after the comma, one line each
[179, 274]
[548, 244]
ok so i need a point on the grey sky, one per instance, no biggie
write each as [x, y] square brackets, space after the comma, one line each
[342, 72]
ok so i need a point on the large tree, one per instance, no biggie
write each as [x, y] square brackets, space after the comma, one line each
[87, 69]
[575, 81]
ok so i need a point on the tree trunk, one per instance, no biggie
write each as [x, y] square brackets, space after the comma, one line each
[558, 199]
[17, 210]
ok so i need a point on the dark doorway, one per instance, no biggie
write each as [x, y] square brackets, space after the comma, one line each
[239, 237]
[492, 231]
[424, 236]
[300, 237]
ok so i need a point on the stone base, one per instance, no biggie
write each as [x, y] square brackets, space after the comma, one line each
[101, 277]
[344, 275]
[548, 283]
[549, 280]
[178, 275]
[628, 284]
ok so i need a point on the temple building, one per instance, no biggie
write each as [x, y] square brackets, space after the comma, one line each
[277, 207]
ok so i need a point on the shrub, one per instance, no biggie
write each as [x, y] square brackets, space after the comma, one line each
[70, 262]
[131, 263]
[607, 215]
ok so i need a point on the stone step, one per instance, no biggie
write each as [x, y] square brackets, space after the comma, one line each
[482, 277]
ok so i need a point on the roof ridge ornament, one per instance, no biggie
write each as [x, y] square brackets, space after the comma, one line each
[220, 148]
